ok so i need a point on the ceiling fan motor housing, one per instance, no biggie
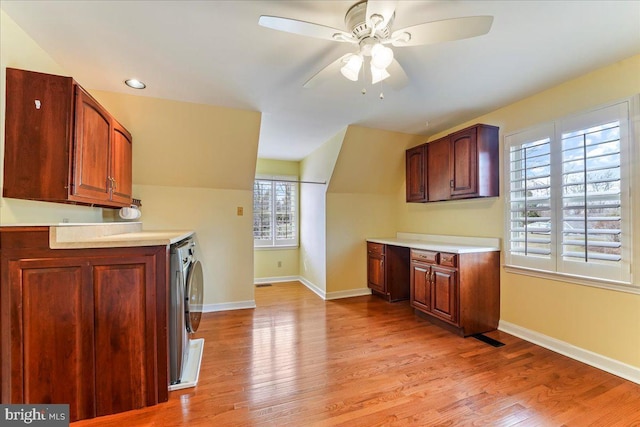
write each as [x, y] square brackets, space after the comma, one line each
[356, 21]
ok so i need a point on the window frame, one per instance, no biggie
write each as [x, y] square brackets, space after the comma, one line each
[556, 267]
[275, 243]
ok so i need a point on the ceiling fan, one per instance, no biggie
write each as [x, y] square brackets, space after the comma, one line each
[369, 24]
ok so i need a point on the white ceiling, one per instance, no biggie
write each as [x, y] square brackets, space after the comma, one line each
[214, 52]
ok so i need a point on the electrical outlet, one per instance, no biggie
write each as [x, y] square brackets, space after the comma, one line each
[240, 211]
[279, 264]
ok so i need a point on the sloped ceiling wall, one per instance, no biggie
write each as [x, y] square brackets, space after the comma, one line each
[371, 161]
[187, 145]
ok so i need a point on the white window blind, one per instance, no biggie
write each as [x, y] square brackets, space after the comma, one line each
[530, 236]
[275, 217]
[591, 194]
[568, 200]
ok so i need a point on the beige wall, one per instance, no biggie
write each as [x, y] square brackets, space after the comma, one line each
[602, 321]
[224, 242]
[181, 144]
[276, 264]
[361, 202]
[317, 167]
[193, 166]
[18, 50]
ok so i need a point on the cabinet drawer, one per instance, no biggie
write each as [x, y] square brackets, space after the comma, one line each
[424, 256]
[375, 248]
[450, 260]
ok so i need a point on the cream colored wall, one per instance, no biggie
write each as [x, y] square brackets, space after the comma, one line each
[224, 242]
[603, 321]
[193, 166]
[272, 264]
[317, 167]
[361, 201]
[18, 50]
[187, 145]
[351, 219]
[277, 167]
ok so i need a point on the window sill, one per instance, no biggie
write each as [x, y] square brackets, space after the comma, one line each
[577, 280]
[274, 248]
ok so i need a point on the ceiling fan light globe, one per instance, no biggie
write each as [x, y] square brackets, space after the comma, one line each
[381, 56]
[378, 74]
[351, 69]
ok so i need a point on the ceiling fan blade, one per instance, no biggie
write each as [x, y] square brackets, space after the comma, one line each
[384, 8]
[304, 28]
[328, 72]
[398, 78]
[442, 31]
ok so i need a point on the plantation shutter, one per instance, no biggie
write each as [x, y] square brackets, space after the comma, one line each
[594, 194]
[530, 214]
[262, 212]
[275, 211]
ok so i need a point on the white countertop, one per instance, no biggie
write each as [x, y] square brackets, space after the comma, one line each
[111, 235]
[441, 243]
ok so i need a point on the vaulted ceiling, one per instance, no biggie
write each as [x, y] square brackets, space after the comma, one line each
[214, 52]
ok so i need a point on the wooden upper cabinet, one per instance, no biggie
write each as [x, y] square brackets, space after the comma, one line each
[61, 145]
[459, 166]
[91, 149]
[121, 164]
[438, 170]
[474, 162]
[463, 163]
[416, 174]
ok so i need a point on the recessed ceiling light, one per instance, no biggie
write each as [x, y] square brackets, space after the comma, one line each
[134, 83]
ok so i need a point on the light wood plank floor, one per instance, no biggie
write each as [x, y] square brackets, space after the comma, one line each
[299, 361]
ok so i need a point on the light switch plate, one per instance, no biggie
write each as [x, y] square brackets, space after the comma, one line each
[240, 211]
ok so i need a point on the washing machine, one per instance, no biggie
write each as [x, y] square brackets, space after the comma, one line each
[185, 306]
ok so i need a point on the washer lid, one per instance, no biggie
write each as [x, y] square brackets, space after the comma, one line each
[195, 294]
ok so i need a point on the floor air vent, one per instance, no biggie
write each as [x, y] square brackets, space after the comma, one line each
[490, 341]
[262, 285]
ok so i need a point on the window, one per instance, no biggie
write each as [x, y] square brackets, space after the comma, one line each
[275, 211]
[568, 206]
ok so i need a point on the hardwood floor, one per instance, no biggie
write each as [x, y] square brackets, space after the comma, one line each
[297, 360]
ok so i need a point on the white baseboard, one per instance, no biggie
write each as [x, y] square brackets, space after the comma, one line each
[315, 289]
[278, 279]
[596, 360]
[348, 294]
[238, 305]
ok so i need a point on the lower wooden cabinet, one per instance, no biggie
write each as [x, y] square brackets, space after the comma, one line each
[86, 327]
[375, 267]
[458, 291]
[388, 271]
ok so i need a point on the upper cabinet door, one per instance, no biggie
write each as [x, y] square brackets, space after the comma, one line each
[416, 174]
[464, 163]
[91, 156]
[438, 170]
[121, 165]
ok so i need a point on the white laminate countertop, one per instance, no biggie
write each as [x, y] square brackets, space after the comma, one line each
[111, 235]
[441, 243]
